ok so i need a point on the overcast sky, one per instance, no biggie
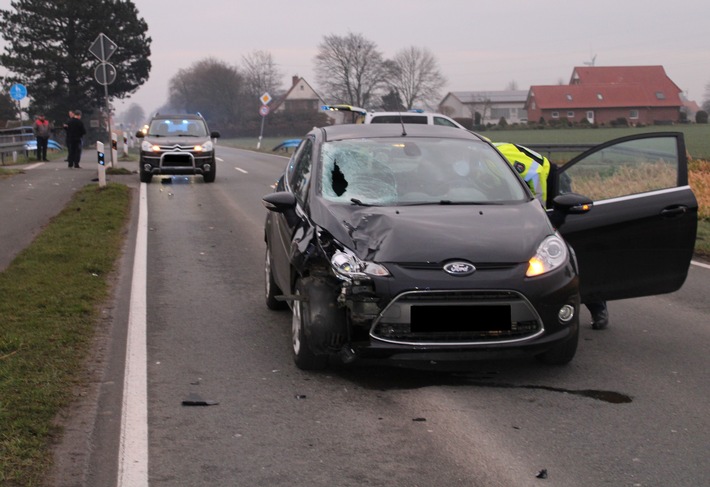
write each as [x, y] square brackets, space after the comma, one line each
[479, 45]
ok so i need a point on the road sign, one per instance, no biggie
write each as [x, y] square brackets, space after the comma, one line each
[103, 47]
[105, 73]
[263, 110]
[265, 99]
[18, 91]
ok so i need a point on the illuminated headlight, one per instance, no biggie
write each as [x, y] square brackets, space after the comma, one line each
[347, 265]
[148, 147]
[551, 254]
[206, 147]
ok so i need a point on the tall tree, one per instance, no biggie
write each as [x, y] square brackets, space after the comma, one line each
[414, 74]
[260, 74]
[134, 116]
[349, 69]
[48, 50]
[214, 89]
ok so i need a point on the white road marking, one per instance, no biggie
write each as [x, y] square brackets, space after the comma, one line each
[219, 159]
[700, 264]
[133, 448]
[241, 170]
[35, 165]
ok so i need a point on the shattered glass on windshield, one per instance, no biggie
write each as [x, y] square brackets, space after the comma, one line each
[400, 172]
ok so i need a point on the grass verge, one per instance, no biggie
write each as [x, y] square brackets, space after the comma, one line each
[50, 300]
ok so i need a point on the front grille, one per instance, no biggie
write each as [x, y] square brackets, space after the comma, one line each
[457, 318]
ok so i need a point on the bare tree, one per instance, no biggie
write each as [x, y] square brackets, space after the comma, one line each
[512, 86]
[134, 116]
[260, 74]
[414, 74]
[706, 99]
[212, 88]
[349, 69]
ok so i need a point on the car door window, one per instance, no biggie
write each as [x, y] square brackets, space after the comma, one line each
[300, 171]
[630, 167]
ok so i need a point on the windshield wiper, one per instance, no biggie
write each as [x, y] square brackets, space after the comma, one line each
[358, 202]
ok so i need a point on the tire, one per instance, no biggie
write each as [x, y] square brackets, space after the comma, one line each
[271, 288]
[563, 352]
[303, 356]
[210, 176]
[145, 177]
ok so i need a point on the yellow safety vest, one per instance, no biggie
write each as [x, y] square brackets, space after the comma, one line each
[531, 166]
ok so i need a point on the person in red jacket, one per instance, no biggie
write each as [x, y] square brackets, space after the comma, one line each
[42, 132]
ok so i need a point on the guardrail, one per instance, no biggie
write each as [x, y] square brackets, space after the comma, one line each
[13, 141]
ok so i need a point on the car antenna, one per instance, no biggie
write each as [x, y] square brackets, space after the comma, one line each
[401, 121]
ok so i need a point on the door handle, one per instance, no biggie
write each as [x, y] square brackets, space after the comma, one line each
[673, 211]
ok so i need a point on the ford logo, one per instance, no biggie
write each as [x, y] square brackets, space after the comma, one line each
[459, 268]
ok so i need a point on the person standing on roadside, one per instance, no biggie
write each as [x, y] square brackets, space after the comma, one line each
[75, 133]
[42, 132]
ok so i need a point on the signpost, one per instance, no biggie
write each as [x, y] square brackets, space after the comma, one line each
[263, 111]
[17, 93]
[105, 74]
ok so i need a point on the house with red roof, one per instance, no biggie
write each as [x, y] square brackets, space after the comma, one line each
[642, 95]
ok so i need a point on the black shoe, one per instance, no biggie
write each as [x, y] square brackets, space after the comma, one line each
[77, 166]
[600, 320]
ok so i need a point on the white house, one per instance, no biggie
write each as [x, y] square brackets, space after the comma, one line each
[492, 105]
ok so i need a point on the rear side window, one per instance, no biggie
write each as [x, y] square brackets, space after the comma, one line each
[399, 119]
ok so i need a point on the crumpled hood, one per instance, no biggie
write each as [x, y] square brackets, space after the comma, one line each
[436, 233]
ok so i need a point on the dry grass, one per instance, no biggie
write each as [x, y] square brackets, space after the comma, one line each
[699, 178]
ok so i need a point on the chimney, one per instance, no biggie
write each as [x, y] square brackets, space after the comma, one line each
[295, 79]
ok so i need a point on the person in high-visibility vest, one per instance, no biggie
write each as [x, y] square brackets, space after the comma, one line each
[534, 169]
[531, 166]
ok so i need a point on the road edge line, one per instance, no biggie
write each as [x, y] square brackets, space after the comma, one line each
[133, 448]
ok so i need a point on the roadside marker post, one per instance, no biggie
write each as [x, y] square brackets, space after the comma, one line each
[101, 156]
[114, 149]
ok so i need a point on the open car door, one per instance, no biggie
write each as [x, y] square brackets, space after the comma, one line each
[639, 236]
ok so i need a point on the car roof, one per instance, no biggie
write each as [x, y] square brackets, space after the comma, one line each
[186, 116]
[359, 131]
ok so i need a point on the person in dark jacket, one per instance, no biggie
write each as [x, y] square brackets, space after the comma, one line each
[75, 133]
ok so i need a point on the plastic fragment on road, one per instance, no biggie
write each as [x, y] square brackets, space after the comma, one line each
[196, 400]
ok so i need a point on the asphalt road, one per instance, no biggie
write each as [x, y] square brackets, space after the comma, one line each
[630, 410]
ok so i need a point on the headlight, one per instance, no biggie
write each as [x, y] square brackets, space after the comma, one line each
[148, 147]
[551, 254]
[348, 265]
[206, 147]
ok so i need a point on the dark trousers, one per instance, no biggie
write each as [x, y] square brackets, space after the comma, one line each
[74, 147]
[42, 148]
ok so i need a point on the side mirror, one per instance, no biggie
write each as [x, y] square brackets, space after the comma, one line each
[281, 202]
[215, 135]
[140, 134]
[572, 203]
[568, 204]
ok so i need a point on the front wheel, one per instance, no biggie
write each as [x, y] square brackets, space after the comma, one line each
[303, 356]
[210, 175]
[145, 176]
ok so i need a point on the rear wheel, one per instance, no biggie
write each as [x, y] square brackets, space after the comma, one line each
[303, 356]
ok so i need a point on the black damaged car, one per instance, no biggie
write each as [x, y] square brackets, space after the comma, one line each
[421, 242]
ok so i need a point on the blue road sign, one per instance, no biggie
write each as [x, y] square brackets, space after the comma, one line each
[18, 91]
